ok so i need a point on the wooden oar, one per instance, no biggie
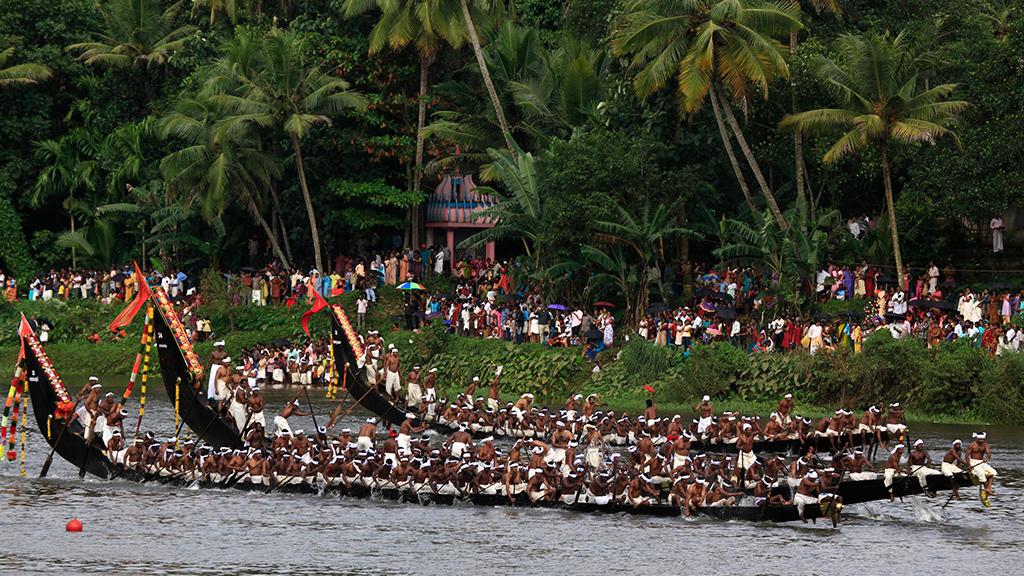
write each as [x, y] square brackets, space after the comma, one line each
[357, 402]
[188, 411]
[67, 424]
[88, 437]
[952, 479]
[305, 390]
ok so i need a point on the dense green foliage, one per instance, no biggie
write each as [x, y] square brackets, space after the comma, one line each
[140, 139]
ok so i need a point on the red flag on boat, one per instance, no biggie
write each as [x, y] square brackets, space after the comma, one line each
[318, 304]
[24, 329]
[128, 314]
[648, 388]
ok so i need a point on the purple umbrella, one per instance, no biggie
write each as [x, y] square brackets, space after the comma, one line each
[557, 307]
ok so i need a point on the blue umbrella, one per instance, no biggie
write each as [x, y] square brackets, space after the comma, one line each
[557, 307]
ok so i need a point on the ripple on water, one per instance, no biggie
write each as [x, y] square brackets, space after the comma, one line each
[154, 529]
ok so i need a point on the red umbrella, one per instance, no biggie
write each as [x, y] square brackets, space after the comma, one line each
[603, 304]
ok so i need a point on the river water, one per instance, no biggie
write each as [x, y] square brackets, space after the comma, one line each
[151, 529]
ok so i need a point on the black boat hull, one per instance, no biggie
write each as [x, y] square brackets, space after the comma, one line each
[359, 387]
[43, 383]
[182, 377]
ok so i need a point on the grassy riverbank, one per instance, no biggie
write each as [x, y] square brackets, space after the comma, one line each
[954, 383]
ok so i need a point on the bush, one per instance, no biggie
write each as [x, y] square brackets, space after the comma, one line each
[713, 370]
[549, 373]
[999, 390]
[637, 363]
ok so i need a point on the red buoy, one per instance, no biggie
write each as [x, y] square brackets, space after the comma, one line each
[12, 455]
[74, 525]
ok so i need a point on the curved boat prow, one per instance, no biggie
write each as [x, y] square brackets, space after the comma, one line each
[183, 377]
[52, 406]
[348, 350]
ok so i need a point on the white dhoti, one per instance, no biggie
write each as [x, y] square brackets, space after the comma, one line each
[746, 459]
[492, 403]
[703, 424]
[281, 425]
[100, 426]
[981, 470]
[802, 500]
[679, 460]
[922, 473]
[859, 476]
[237, 411]
[458, 448]
[108, 432]
[430, 395]
[593, 457]
[950, 469]
[890, 473]
[258, 418]
[413, 394]
[222, 390]
[404, 443]
[518, 413]
[556, 455]
[211, 383]
[364, 443]
[489, 489]
[895, 428]
[392, 382]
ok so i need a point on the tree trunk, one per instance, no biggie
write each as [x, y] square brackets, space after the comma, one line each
[478, 51]
[74, 259]
[749, 155]
[684, 239]
[280, 223]
[213, 12]
[313, 231]
[798, 144]
[727, 142]
[274, 245]
[891, 208]
[421, 122]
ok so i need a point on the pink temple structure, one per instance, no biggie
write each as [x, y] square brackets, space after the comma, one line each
[451, 207]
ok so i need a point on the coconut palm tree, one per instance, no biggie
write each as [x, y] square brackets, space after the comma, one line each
[20, 74]
[70, 168]
[427, 24]
[799, 169]
[218, 164]
[711, 46]
[228, 7]
[553, 92]
[137, 34]
[268, 82]
[474, 39]
[882, 102]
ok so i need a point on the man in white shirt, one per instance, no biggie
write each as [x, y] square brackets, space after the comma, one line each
[997, 234]
[361, 306]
